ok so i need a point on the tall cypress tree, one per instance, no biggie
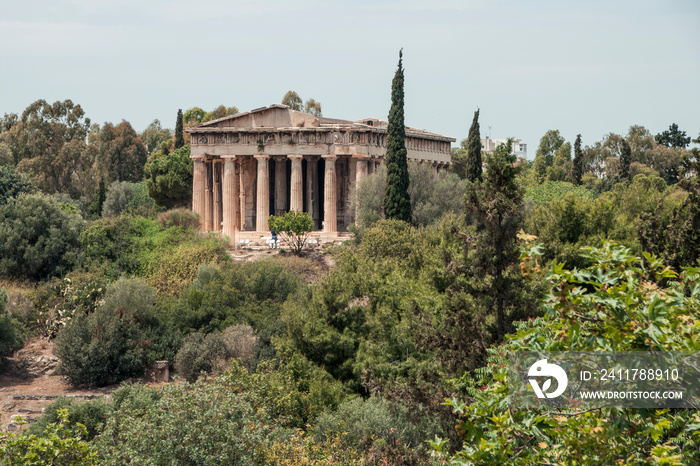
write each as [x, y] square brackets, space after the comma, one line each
[625, 160]
[578, 161]
[474, 150]
[397, 203]
[179, 137]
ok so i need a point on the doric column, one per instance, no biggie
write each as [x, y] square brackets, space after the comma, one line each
[262, 201]
[218, 208]
[297, 190]
[198, 190]
[280, 184]
[330, 216]
[360, 174]
[208, 197]
[230, 200]
[240, 162]
[312, 204]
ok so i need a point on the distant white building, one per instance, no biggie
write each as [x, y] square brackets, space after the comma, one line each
[519, 147]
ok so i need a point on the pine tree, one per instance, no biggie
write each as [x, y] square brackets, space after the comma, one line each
[179, 137]
[397, 203]
[625, 160]
[578, 161]
[474, 150]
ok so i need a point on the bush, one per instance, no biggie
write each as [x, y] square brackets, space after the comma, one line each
[38, 238]
[363, 423]
[204, 423]
[10, 330]
[240, 342]
[179, 218]
[200, 353]
[91, 414]
[131, 198]
[12, 184]
[112, 343]
[169, 178]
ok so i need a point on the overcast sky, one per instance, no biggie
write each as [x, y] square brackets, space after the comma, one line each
[589, 67]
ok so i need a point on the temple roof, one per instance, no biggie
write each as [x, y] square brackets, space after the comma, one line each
[278, 116]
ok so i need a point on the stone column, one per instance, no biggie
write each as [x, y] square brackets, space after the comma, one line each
[360, 174]
[262, 201]
[312, 188]
[330, 216]
[240, 165]
[198, 190]
[297, 190]
[208, 197]
[230, 201]
[218, 208]
[280, 184]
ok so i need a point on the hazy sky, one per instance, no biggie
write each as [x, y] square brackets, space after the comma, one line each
[592, 67]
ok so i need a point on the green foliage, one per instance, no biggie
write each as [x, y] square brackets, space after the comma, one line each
[313, 107]
[38, 238]
[126, 197]
[12, 184]
[473, 170]
[168, 258]
[363, 423]
[673, 137]
[292, 100]
[11, 337]
[433, 194]
[204, 423]
[58, 445]
[116, 340]
[219, 112]
[121, 154]
[368, 198]
[397, 204]
[544, 157]
[200, 353]
[155, 135]
[179, 136]
[90, 414]
[543, 194]
[578, 162]
[169, 178]
[625, 161]
[48, 142]
[293, 227]
[184, 218]
[619, 303]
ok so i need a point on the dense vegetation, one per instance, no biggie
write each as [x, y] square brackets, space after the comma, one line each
[284, 362]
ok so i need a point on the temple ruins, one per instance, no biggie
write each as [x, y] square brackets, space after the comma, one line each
[274, 159]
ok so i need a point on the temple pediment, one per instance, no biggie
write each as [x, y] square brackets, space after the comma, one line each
[272, 116]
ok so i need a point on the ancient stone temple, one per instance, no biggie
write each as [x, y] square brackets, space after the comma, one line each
[274, 159]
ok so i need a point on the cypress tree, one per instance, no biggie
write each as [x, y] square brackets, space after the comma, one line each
[474, 150]
[101, 195]
[179, 137]
[578, 161]
[397, 203]
[625, 160]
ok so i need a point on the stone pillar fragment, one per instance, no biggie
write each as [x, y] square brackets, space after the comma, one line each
[262, 200]
[296, 191]
[330, 215]
[198, 190]
[280, 184]
[230, 201]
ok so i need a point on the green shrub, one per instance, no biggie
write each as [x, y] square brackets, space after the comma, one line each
[203, 424]
[548, 191]
[131, 198]
[38, 238]
[116, 340]
[10, 330]
[293, 227]
[91, 414]
[200, 353]
[169, 178]
[362, 423]
[179, 218]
